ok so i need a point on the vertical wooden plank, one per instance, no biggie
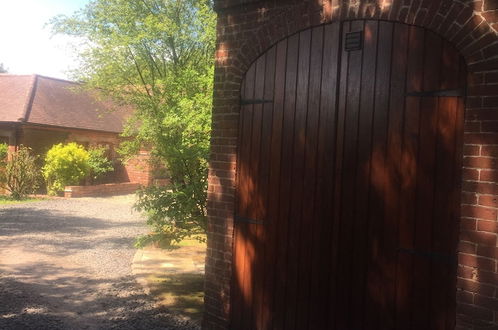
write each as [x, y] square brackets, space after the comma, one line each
[246, 115]
[308, 221]
[408, 164]
[263, 231]
[257, 211]
[425, 179]
[253, 200]
[366, 113]
[394, 172]
[334, 313]
[282, 282]
[442, 220]
[274, 228]
[245, 129]
[348, 193]
[455, 196]
[322, 231]
[376, 304]
[295, 215]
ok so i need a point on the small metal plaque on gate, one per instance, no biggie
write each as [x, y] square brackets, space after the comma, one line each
[353, 41]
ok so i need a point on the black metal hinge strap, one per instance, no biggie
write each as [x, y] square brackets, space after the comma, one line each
[238, 218]
[249, 102]
[431, 255]
[443, 92]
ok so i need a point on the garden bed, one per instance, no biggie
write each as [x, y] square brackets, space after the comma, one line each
[109, 189]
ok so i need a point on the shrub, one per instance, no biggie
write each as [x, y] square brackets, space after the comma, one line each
[171, 213]
[99, 163]
[4, 149]
[65, 165]
[21, 174]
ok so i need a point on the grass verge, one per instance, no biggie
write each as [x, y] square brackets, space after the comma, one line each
[8, 200]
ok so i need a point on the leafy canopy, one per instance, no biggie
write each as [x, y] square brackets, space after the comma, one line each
[158, 56]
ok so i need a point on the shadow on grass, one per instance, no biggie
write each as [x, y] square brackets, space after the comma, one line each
[182, 293]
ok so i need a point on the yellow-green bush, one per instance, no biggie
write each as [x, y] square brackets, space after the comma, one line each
[65, 164]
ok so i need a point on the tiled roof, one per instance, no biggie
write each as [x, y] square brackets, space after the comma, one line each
[48, 101]
[14, 94]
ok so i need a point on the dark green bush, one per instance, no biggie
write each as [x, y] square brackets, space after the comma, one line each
[99, 163]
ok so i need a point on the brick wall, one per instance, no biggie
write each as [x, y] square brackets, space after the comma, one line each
[246, 28]
[138, 169]
[110, 189]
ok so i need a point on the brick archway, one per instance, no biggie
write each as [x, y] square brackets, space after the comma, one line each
[247, 28]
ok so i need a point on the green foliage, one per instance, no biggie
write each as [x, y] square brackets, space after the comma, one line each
[99, 163]
[21, 174]
[172, 214]
[4, 150]
[65, 164]
[4, 200]
[157, 56]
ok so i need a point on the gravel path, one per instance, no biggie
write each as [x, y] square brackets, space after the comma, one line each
[66, 264]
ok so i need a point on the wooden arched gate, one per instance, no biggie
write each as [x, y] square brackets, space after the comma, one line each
[348, 181]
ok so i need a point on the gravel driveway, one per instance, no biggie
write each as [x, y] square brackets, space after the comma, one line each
[66, 264]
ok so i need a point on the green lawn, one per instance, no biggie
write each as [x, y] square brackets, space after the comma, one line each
[8, 200]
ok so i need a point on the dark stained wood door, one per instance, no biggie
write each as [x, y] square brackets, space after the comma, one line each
[348, 181]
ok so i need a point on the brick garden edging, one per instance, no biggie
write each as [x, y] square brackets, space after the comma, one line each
[110, 189]
[246, 28]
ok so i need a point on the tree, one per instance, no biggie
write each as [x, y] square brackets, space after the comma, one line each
[3, 69]
[158, 56]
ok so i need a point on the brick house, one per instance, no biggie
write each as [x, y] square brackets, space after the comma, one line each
[38, 112]
[353, 179]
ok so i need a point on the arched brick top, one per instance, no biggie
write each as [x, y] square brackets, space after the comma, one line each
[469, 25]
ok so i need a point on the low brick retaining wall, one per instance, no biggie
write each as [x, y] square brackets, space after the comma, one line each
[109, 189]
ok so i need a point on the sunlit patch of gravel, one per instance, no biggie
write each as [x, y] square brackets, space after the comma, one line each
[66, 264]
